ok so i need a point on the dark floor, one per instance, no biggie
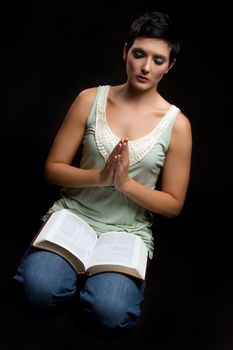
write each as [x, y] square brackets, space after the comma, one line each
[188, 303]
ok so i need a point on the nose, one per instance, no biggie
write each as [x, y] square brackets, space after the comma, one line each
[146, 66]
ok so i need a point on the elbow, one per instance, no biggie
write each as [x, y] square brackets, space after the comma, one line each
[47, 175]
[173, 215]
[174, 211]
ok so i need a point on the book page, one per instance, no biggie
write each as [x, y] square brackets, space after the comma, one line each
[118, 248]
[72, 233]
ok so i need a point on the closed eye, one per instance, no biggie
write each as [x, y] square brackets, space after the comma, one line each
[139, 53]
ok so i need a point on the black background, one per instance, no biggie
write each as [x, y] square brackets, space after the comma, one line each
[50, 51]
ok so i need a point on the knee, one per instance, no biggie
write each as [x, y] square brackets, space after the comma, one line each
[114, 317]
[40, 293]
[47, 280]
[109, 315]
[47, 292]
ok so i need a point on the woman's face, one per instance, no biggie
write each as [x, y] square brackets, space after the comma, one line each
[147, 61]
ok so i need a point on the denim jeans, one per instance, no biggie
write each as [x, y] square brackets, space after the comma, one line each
[111, 301]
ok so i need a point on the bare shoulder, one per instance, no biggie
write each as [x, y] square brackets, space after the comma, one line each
[82, 104]
[181, 133]
[182, 124]
[86, 97]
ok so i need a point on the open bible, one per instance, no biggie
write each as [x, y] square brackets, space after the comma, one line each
[68, 235]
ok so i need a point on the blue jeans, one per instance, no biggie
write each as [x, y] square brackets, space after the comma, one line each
[111, 301]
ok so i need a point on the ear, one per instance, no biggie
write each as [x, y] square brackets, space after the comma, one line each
[170, 66]
[125, 52]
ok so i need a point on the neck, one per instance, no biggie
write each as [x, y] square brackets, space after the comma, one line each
[130, 93]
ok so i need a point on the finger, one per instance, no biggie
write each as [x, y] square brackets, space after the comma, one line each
[125, 149]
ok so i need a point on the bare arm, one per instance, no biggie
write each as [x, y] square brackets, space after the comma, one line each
[175, 177]
[58, 169]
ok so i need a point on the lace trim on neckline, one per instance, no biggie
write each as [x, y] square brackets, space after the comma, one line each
[138, 148]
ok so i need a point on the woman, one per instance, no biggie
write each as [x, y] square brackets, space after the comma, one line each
[126, 135]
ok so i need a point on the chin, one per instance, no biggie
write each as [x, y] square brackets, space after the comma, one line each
[142, 86]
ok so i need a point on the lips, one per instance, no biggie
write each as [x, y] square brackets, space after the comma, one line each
[142, 78]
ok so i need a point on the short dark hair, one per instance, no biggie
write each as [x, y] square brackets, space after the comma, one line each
[154, 24]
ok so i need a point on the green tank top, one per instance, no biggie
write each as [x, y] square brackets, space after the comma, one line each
[104, 208]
